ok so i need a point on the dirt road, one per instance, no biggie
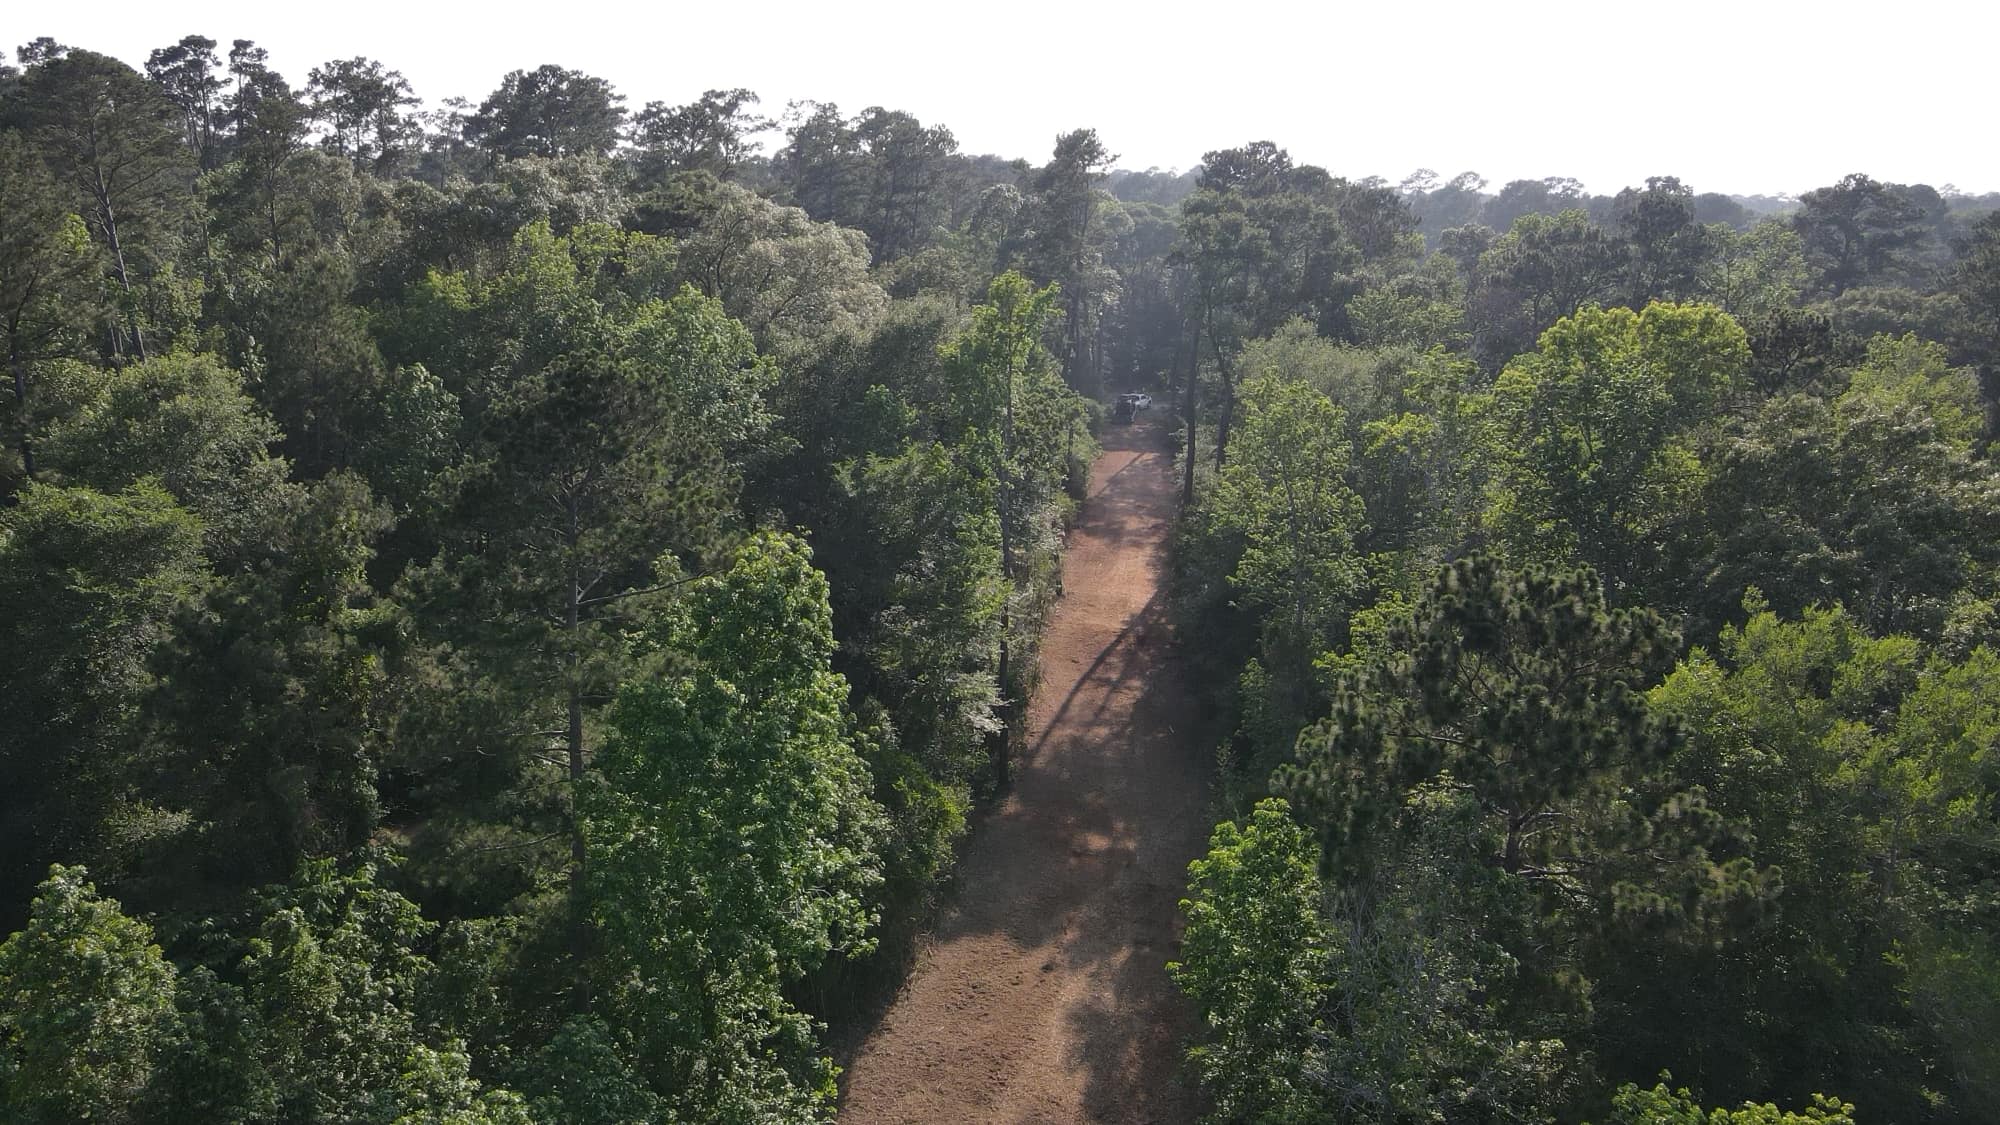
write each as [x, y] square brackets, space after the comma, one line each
[1044, 996]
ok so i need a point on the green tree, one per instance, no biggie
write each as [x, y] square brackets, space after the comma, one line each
[85, 1002]
[1255, 960]
[733, 843]
[1286, 501]
[436, 1087]
[1860, 231]
[330, 975]
[1757, 273]
[1523, 687]
[1975, 280]
[913, 545]
[1262, 241]
[1421, 466]
[274, 700]
[1667, 247]
[91, 583]
[597, 433]
[912, 174]
[184, 422]
[1494, 790]
[1065, 248]
[1908, 370]
[1551, 195]
[1977, 277]
[548, 111]
[1376, 1002]
[268, 700]
[328, 998]
[1597, 433]
[588, 1074]
[362, 107]
[296, 235]
[1143, 333]
[904, 521]
[1858, 766]
[820, 162]
[710, 134]
[1871, 500]
[1457, 203]
[267, 121]
[795, 283]
[1426, 987]
[48, 292]
[1008, 409]
[189, 73]
[114, 140]
[1544, 268]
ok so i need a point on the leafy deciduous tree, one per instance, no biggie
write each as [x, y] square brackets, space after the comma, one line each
[733, 842]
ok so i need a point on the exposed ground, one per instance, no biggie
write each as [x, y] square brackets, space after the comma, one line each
[1043, 995]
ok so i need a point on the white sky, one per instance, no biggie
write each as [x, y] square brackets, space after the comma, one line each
[1731, 95]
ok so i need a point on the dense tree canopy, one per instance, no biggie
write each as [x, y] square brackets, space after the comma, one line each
[507, 606]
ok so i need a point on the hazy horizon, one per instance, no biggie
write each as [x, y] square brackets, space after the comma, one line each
[1719, 103]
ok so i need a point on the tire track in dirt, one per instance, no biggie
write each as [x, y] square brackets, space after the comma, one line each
[1043, 996]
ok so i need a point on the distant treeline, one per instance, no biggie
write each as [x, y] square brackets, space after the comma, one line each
[1469, 198]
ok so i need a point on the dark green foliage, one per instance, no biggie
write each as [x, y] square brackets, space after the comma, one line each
[316, 1019]
[1543, 268]
[1862, 231]
[1284, 514]
[273, 697]
[50, 302]
[711, 134]
[882, 172]
[1666, 246]
[1871, 498]
[1377, 1002]
[91, 583]
[184, 422]
[189, 74]
[1521, 687]
[1862, 768]
[114, 143]
[360, 106]
[548, 111]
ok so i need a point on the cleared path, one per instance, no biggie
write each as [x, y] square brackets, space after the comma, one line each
[1043, 995]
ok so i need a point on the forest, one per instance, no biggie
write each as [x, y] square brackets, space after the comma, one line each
[510, 609]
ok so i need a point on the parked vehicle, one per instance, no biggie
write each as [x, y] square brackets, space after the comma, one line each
[1130, 406]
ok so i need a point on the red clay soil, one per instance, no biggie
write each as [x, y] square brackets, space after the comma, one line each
[1043, 994]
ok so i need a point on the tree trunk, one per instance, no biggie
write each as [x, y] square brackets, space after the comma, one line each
[109, 215]
[1000, 751]
[20, 370]
[1081, 372]
[1190, 406]
[1226, 411]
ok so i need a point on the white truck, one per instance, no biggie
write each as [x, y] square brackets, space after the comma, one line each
[1130, 405]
